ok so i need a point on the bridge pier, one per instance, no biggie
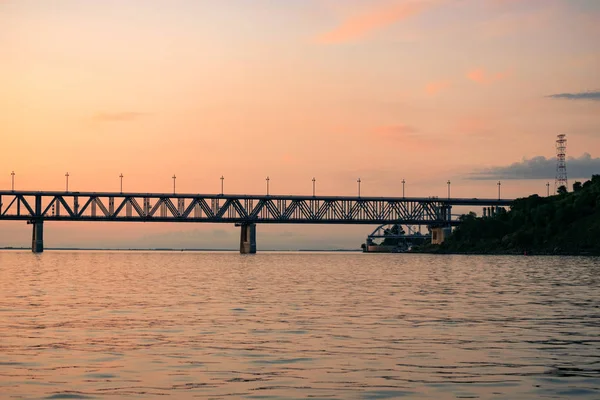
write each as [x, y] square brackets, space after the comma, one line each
[440, 233]
[37, 237]
[248, 239]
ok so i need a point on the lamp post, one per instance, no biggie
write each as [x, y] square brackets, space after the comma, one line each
[12, 175]
[267, 179]
[174, 177]
[313, 181]
[121, 176]
[358, 181]
[67, 176]
[547, 189]
[222, 179]
[448, 189]
[499, 189]
[403, 182]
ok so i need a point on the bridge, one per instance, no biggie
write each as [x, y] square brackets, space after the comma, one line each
[36, 207]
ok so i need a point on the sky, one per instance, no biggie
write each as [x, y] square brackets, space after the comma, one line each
[472, 91]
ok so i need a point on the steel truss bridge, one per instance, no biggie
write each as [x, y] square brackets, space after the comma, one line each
[35, 207]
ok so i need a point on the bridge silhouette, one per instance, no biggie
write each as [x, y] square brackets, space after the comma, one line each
[245, 211]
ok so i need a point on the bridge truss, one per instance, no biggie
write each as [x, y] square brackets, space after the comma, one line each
[225, 209]
[37, 207]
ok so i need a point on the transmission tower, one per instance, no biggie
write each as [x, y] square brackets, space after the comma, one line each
[561, 162]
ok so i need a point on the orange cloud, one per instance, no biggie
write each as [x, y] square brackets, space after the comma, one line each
[118, 116]
[433, 88]
[287, 158]
[479, 75]
[362, 24]
[396, 131]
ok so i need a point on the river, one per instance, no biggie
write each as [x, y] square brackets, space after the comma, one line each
[110, 325]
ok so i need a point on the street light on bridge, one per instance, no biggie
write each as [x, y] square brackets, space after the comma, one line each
[67, 176]
[12, 175]
[268, 179]
[448, 189]
[121, 176]
[313, 181]
[174, 177]
[403, 182]
[222, 179]
[358, 181]
[499, 190]
[547, 189]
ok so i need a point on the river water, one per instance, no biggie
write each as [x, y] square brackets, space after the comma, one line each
[110, 325]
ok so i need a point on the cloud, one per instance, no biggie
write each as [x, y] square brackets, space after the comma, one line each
[118, 116]
[288, 159]
[594, 96]
[541, 167]
[433, 88]
[377, 18]
[399, 131]
[479, 75]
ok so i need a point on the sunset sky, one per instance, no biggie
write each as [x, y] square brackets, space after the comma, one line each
[474, 91]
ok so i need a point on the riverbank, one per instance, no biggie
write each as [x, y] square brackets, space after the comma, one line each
[436, 249]
[565, 224]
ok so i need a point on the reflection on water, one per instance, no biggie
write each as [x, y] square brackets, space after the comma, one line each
[274, 326]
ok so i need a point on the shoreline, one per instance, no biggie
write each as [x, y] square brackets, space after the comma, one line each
[511, 253]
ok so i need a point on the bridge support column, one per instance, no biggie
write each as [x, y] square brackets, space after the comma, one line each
[248, 239]
[37, 237]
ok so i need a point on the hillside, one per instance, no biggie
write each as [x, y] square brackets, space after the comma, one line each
[568, 223]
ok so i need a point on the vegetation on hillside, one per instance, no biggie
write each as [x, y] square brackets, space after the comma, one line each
[568, 223]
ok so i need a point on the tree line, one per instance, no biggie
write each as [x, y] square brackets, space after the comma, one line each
[566, 223]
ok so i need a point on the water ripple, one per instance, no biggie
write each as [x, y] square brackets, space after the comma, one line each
[95, 325]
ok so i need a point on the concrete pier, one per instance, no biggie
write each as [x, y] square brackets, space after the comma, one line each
[439, 234]
[248, 239]
[37, 237]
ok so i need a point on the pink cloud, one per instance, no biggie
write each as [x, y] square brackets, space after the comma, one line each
[479, 75]
[118, 116]
[396, 131]
[362, 24]
[433, 88]
[288, 158]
